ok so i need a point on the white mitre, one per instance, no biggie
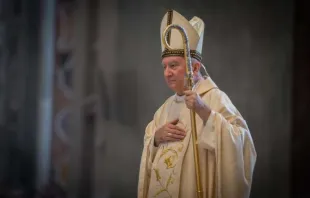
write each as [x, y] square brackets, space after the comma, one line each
[195, 32]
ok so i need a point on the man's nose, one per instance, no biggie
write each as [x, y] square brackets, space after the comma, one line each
[167, 71]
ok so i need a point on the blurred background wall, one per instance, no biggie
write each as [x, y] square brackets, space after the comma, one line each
[108, 82]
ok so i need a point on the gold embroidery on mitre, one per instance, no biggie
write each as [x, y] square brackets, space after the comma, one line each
[180, 52]
[169, 21]
[195, 33]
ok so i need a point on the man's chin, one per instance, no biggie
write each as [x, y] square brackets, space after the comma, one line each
[173, 88]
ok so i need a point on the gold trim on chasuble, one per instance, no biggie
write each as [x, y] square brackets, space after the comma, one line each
[166, 170]
[168, 158]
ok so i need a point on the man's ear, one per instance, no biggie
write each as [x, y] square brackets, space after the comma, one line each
[196, 67]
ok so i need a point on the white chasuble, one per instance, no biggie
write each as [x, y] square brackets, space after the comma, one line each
[226, 150]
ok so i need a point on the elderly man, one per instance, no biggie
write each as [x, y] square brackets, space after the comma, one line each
[226, 149]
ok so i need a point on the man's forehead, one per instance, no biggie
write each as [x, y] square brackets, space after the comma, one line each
[172, 59]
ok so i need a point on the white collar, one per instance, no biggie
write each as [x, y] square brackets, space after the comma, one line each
[179, 98]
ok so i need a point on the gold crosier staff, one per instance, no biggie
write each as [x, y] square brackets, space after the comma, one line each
[189, 75]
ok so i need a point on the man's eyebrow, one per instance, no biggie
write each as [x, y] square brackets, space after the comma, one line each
[170, 63]
[173, 63]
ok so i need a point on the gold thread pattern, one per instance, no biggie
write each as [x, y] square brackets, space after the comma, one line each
[170, 158]
[180, 52]
[169, 21]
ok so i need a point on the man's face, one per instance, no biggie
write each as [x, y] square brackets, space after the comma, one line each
[174, 72]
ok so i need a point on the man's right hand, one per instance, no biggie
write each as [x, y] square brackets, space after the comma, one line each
[169, 132]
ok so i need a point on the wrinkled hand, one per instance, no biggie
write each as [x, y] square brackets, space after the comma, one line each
[193, 101]
[169, 132]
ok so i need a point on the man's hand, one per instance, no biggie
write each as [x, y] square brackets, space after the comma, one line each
[193, 101]
[169, 132]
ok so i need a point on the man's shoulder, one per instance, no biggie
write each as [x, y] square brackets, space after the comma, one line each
[213, 92]
[169, 99]
[217, 95]
[209, 88]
